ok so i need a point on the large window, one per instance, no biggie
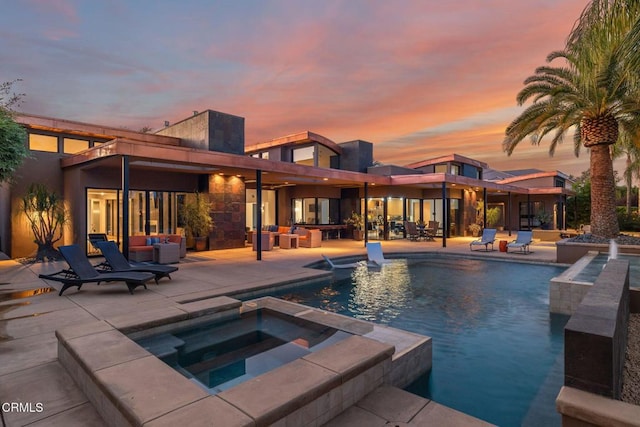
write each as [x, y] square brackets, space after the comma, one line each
[528, 213]
[315, 155]
[413, 210]
[43, 143]
[304, 156]
[326, 157]
[442, 168]
[150, 212]
[395, 217]
[72, 146]
[471, 171]
[267, 210]
[313, 210]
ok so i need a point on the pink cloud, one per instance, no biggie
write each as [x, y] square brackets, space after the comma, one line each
[415, 78]
[63, 8]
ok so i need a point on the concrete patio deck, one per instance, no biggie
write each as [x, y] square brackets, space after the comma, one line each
[31, 374]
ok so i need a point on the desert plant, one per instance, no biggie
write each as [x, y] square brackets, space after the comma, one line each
[475, 229]
[47, 216]
[543, 217]
[493, 216]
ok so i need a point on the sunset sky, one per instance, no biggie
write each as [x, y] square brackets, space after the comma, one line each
[418, 78]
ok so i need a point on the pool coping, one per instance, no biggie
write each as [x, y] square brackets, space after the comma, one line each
[129, 386]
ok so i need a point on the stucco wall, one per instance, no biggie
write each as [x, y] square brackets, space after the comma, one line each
[5, 218]
[209, 130]
[42, 168]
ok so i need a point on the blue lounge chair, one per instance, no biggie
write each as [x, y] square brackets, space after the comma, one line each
[488, 237]
[375, 255]
[116, 262]
[81, 271]
[522, 242]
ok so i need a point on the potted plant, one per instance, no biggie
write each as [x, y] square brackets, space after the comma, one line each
[493, 217]
[197, 220]
[475, 229]
[356, 220]
[544, 219]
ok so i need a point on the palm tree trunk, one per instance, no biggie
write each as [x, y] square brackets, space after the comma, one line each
[628, 178]
[604, 220]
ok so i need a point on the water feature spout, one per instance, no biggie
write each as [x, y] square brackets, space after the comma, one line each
[613, 250]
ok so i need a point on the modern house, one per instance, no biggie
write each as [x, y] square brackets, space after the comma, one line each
[122, 183]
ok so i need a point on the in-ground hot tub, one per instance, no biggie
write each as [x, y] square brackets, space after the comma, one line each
[567, 290]
[220, 355]
[128, 385]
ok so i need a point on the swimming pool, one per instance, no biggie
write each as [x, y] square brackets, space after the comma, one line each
[497, 351]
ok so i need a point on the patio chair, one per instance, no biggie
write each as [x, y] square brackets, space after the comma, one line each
[309, 238]
[375, 255]
[81, 271]
[431, 231]
[412, 230]
[522, 242]
[116, 262]
[488, 237]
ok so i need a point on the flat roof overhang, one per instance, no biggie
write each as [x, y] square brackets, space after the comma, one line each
[189, 160]
[435, 180]
[295, 139]
[71, 127]
[169, 158]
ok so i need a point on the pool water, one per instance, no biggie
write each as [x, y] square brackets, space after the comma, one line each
[497, 351]
[220, 355]
[595, 266]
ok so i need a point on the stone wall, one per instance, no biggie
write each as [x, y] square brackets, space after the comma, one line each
[228, 210]
[596, 335]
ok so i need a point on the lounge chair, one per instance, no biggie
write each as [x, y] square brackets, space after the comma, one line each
[375, 255]
[82, 272]
[116, 262]
[334, 265]
[488, 237]
[412, 230]
[522, 242]
[96, 237]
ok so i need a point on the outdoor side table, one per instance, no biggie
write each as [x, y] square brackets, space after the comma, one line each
[289, 241]
[166, 253]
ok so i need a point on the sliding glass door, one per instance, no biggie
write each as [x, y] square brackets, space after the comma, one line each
[150, 212]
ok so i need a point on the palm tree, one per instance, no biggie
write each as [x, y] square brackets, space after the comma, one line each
[594, 92]
[628, 148]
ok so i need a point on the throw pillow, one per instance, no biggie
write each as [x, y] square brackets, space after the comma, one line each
[148, 241]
